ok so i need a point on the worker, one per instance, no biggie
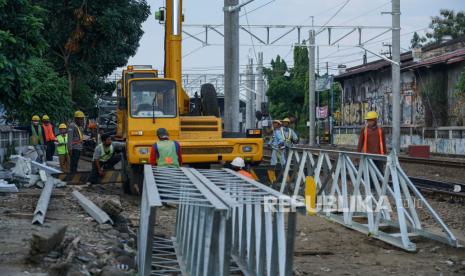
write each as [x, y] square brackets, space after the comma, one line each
[37, 138]
[372, 139]
[277, 144]
[62, 147]
[50, 138]
[238, 165]
[165, 152]
[104, 158]
[290, 137]
[75, 139]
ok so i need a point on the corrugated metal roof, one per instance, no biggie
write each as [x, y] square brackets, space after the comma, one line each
[405, 58]
[449, 58]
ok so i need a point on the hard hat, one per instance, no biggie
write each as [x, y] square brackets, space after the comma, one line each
[277, 121]
[45, 118]
[61, 126]
[371, 115]
[35, 118]
[286, 120]
[162, 133]
[238, 162]
[79, 114]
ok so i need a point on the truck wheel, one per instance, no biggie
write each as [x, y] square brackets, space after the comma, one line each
[209, 100]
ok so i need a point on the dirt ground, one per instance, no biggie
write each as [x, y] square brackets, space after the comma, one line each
[322, 247]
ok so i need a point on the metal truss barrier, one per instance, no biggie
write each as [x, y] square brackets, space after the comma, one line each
[370, 197]
[222, 225]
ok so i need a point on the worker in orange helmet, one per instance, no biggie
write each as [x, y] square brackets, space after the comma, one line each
[372, 139]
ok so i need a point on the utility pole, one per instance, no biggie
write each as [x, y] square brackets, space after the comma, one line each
[231, 66]
[396, 75]
[311, 87]
[249, 84]
[260, 84]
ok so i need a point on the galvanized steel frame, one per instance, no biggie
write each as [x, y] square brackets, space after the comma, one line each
[219, 218]
[341, 179]
[42, 204]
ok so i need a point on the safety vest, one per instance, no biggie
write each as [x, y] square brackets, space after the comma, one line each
[36, 138]
[105, 155]
[246, 174]
[167, 155]
[289, 134]
[78, 130]
[380, 138]
[62, 147]
[49, 135]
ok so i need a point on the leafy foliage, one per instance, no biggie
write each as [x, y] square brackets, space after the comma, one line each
[92, 38]
[20, 39]
[460, 86]
[288, 92]
[448, 22]
[45, 93]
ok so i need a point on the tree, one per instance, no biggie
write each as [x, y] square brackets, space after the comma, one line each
[448, 22]
[92, 38]
[417, 41]
[20, 39]
[44, 93]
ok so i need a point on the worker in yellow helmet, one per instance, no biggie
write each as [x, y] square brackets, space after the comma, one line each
[372, 139]
[36, 137]
[290, 137]
[76, 139]
[62, 147]
[50, 138]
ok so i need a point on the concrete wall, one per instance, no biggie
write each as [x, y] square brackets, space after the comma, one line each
[442, 141]
[372, 91]
[8, 137]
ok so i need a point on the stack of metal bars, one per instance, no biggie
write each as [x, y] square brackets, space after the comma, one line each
[260, 243]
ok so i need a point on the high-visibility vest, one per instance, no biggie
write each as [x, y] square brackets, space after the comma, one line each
[289, 134]
[105, 155]
[77, 129]
[380, 139]
[246, 174]
[37, 137]
[167, 154]
[62, 147]
[49, 135]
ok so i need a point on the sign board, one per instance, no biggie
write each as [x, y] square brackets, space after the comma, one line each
[322, 112]
[323, 83]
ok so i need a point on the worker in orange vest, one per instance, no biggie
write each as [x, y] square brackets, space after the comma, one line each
[372, 139]
[238, 165]
[50, 138]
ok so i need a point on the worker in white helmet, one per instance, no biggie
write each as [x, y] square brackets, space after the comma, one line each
[238, 165]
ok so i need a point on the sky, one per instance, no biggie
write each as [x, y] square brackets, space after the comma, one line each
[416, 15]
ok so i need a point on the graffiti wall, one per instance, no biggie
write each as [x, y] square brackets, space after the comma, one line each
[439, 145]
[365, 93]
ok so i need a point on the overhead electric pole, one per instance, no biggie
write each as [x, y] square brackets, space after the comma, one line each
[250, 87]
[231, 66]
[396, 75]
[311, 87]
[260, 85]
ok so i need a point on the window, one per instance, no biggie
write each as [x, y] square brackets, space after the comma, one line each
[153, 98]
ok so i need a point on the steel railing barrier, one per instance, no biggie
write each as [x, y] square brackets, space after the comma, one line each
[149, 202]
[262, 243]
[224, 224]
[364, 192]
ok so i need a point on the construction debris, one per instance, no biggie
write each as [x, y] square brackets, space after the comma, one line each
[5, 187]
[98, 214]
[46, 240]
[42, 204]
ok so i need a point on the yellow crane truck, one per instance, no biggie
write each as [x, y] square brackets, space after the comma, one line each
[147, 102]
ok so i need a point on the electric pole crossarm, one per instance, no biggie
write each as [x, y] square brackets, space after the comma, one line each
[250, 33]
[285, 34]
[344, 36]
[194, 37]
[381, 56]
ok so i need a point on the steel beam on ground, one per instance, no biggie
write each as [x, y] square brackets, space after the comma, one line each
[42, 204]
[98, 214]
